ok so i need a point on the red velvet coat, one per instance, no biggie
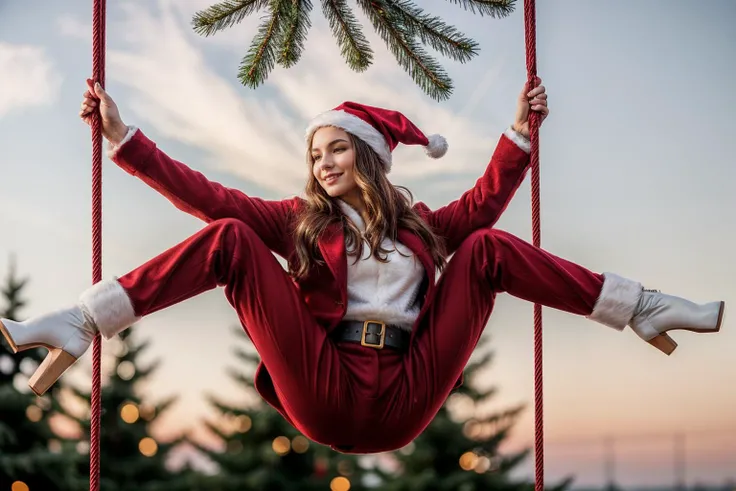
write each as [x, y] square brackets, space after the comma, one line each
[325, 289]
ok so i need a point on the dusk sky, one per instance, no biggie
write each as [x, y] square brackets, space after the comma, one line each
[638, 176]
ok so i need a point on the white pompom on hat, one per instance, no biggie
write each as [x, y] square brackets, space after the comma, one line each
[382, 129]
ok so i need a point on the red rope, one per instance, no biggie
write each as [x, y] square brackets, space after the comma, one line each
[531, 67]
[98, 75]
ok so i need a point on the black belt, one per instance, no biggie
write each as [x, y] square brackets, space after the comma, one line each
[373, 334]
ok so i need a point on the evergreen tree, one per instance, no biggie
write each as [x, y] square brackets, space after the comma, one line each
[30, 453]
[130, 458]
[461, 453]
[403, 27]
[263, 452]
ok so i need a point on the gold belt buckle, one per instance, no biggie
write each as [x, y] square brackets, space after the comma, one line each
[368, 332]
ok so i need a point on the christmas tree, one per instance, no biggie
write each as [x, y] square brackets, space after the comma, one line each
[31, 456]
[403, 27]
[131, 459]
[263, 452]
[459, 450]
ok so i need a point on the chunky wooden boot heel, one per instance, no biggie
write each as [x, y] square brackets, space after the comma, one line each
[67, 335]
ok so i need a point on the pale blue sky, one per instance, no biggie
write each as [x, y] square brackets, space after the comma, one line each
[637, 160]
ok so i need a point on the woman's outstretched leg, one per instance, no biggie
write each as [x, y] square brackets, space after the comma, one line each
[493, 261]
[300, 358]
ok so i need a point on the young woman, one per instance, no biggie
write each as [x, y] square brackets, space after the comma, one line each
[360, 346]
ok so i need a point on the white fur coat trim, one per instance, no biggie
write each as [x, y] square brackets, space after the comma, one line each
[108, 304]
[617, 301]
[520, 140]
[113, 149]
[383, 291]
[356, 126]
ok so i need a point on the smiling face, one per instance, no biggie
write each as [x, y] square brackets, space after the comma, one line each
[333, 162]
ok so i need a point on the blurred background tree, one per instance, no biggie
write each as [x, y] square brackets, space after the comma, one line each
[30, 452]
[460, 449]
[131, 459]
[260, 451]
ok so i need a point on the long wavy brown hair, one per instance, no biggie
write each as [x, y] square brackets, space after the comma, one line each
[388, 207]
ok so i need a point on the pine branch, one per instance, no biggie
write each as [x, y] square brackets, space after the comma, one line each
[504, 418]
[401, 25]
[472, 367]
[477, 395]
[242, 379]
[433, 31]
[564, 484]
[7, 437]
[228, 409]
[490, 445]
[237, 331]
[216, 430]
[11, 291]
[492, 8]
[294, 31]
[247, 356]
[424, 70]
[225, 409]
[225, 14]
[80, 393]
[164, 405]
[485, 396]
[260, 60]
[509, 462]
[354, 46]
[144, 373]
[201, 448]
[496, 427]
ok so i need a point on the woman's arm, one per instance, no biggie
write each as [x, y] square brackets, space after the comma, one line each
[191, 192]
[185, 188]
[482, 205]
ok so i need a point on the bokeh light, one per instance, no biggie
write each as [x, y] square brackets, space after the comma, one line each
[468, 461]
[129, 413]
[281, 445]
[340, 484]
[126, 370]
[300, 444]
[34, 413]
[148, 447]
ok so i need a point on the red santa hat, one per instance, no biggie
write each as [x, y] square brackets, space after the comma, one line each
[380, 128]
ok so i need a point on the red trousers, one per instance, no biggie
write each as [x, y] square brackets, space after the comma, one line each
[357, 399]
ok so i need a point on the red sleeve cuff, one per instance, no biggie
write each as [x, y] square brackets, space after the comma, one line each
[133, 151]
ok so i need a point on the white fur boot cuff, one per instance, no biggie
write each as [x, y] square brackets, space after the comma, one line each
[618, 300]
[109, 306]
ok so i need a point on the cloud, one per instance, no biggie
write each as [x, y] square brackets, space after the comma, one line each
[183, 91]
[28, 78]
[71, 26]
